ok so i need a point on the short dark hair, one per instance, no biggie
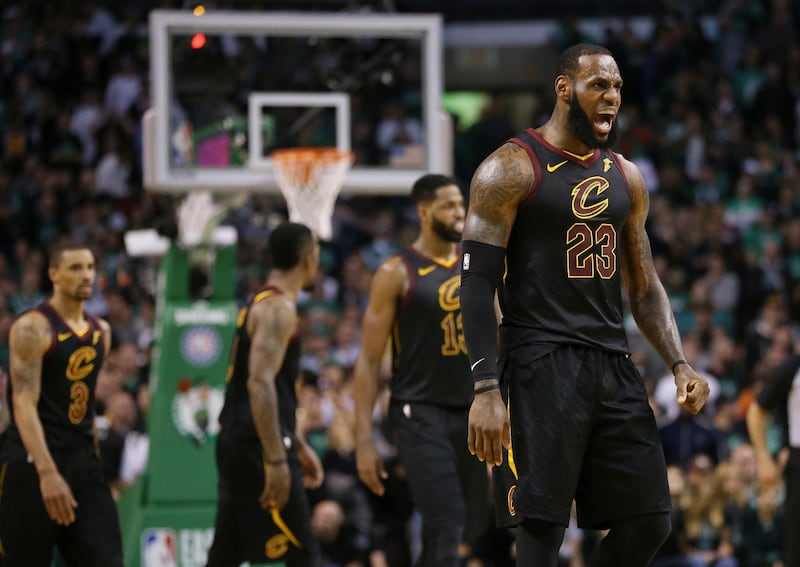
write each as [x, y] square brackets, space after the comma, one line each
[425, 187]
[288, 243]
[568, 61]
[57, 250]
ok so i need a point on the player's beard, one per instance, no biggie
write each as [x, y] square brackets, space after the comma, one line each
[582, 127]
[83, 294]
[446, 233]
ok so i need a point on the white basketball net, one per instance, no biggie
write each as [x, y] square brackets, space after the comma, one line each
[310, 180]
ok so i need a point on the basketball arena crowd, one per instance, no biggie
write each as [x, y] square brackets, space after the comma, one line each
[712, 118]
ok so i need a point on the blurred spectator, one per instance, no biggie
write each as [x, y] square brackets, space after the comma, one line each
[706, 530]
[688, 436]
[85, 121]
[30, 291]
[397, 133]
[672, 553]
[124, 87]
[123, 449]
[760, 542]
[113, 170]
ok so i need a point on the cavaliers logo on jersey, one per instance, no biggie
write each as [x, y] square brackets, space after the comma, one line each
[81, 363]
[586, 197]
[510, 500]
[453, 343]
[448, 294]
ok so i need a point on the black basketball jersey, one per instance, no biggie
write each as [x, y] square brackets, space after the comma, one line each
[236, 415]
[69, 374]
[429, 353]
[563, 281]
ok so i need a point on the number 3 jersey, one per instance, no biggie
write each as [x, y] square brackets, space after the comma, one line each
[563, 260]
[69, 374]
[429, 355]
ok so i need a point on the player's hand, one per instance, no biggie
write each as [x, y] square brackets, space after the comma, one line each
[370, 467]
[277, 482]
[313, 473]
[692, 389]
[58, 498]
[768, 473]
[489, 429]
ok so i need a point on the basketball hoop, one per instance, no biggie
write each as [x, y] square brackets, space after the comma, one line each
[310, 180]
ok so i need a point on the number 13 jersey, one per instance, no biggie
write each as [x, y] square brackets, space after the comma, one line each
[429, 354]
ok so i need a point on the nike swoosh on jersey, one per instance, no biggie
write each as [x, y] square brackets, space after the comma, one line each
[552, 168]
[425, 271]
[477, 362]
[64, 336]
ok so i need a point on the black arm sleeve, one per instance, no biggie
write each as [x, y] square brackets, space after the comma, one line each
[482, 270]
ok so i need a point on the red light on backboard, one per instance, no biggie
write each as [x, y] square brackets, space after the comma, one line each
[198, 40]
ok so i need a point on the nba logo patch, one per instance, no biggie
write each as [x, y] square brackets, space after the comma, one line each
[158, 548]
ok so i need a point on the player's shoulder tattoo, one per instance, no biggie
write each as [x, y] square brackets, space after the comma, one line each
[31, 331]
[29, 338]
[504, 178]
[279, 315]
[499, 185]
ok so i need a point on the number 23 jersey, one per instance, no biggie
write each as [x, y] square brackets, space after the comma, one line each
[563, 280]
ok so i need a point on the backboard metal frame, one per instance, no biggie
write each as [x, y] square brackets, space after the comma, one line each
[160, 176]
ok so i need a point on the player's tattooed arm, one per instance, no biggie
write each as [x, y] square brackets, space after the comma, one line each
[271, 324]
[499, 185]
[649, 302]
[29, 339]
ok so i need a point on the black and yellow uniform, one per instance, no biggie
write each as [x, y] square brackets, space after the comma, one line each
[244, 531]
[581, 424]
[431, 392]
[67, 410]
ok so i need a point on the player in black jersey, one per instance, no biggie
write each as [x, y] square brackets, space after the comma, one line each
[52, 490]
[414, 299]
[262, 513]
[556, 223]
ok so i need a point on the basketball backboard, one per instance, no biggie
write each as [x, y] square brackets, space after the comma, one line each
[230, 87]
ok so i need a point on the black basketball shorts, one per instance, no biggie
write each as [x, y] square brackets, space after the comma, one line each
[582, 429]
[27, 534]
[246, 532]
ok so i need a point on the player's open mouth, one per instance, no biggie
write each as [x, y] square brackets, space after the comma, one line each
[603, 122]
